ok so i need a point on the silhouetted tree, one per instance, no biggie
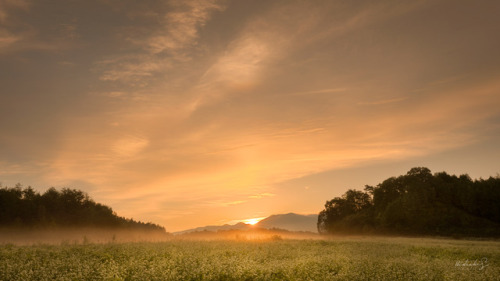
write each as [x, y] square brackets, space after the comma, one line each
[24, 207]
[338, 208]
[418, 203]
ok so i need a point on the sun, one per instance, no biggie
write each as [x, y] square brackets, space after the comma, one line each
[253, 221]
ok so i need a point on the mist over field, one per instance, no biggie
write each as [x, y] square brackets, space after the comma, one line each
[83, 235]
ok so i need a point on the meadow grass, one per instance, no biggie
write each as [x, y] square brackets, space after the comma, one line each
[356, 258]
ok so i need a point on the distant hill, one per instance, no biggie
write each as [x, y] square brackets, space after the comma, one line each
[215, 228]
[291, 222]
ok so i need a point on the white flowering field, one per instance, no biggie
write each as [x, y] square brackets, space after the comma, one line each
[337, 259]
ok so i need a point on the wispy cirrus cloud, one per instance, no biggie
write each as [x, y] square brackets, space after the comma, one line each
[7, 25]
[322, 91]
[173, 40]
[129, 145]
[262, 195]
[383, 101]
[7, 5]
[180, 27]
[7, 38]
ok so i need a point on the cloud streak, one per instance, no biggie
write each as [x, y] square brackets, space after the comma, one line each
[173, 41]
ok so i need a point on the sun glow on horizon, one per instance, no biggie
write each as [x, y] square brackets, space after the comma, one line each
[253, 221]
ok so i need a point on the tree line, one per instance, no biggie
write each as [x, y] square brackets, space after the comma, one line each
[418, 203]
[25, 207]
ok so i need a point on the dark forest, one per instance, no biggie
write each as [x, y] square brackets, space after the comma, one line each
[418, 203]
[26, 208]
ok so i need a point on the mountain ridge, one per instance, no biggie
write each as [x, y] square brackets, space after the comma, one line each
[289, 221]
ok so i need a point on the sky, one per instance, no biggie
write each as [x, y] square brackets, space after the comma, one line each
[192, 113]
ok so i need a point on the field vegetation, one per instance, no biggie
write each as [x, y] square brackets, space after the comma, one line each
[271, 258]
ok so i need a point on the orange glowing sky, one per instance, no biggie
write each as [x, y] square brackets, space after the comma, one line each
[192, 113]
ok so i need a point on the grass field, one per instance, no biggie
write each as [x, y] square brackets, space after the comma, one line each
[335, 259]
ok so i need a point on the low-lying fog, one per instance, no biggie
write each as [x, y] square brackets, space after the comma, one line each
[99, 235]
[77, 236]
